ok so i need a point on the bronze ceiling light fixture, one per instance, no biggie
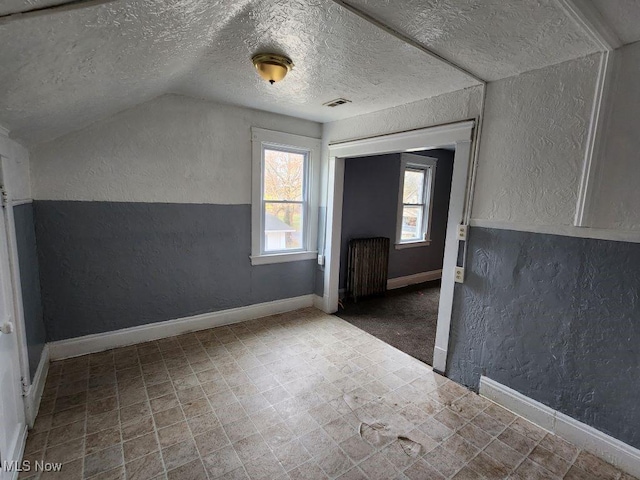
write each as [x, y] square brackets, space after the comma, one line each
[271, 66]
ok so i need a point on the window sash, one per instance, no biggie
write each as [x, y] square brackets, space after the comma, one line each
[419, 224]
[421, 230]
[304, 202]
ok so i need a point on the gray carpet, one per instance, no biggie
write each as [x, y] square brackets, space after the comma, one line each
[405, 318]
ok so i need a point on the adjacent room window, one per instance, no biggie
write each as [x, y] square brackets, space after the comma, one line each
[417, 178]
[284, 206]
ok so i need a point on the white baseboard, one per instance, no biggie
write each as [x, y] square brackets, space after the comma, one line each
[422, 277]
[17, 453]
[439, 359]
[99, 342]
[614, 451]
[320, 302]
[34, 393]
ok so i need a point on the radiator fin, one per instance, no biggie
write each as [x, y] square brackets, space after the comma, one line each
[368, 266]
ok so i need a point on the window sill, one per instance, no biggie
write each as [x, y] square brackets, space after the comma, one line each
[419, 243]
[283, 257]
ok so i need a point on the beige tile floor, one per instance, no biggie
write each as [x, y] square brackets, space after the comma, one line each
[301, 395]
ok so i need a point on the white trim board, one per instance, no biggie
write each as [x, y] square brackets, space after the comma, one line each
[563, 230]
[33, 395]
[596, 141]
[20, 446]
[414, 279]
[580, 434]
[99, 342]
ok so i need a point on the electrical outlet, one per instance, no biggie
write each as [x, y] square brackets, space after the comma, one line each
[462, 232]
[320, 260]
[458, 275]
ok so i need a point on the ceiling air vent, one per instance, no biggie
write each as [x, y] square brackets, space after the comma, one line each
[336, 102]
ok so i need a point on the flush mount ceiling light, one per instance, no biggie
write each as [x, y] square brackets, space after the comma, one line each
[271, 66]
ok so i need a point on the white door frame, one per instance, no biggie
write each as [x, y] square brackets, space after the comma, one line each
[7, 204]
[456, 134]
[13, 427]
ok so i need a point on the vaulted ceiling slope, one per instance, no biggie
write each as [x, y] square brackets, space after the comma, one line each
[493, 39]
[623, 16]
[61, 71]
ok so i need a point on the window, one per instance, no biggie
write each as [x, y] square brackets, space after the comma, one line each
[284, 204]
[417, 177]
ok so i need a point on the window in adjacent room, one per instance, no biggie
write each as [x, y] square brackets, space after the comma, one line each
[417, 178]
[284, 206]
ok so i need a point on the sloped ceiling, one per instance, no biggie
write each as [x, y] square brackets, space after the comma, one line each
[493, 39]
[623, 16]
[62, 71]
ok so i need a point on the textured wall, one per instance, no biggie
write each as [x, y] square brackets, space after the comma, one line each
[107, 265]
[159, 224]
[447, 108]
[15, 169]
[555, 318]
[616, 202]
[533, 144]
[370, 209]
[30, 283]
[173, 149]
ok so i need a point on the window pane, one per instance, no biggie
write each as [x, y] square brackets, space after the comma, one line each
[283, 226]
[283, 175]
[413, 185]
[412, 223]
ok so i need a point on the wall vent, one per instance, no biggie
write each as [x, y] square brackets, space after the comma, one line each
[336, 102]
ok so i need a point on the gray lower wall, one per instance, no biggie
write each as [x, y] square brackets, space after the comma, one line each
[370, 209]
[555, 318]
[106, 265]
[30, 283]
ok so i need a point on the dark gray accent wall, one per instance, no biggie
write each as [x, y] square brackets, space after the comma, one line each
[30, 283]
[107, 265]
[555, 318]
[370, 209]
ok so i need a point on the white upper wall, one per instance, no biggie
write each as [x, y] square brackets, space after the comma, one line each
[533, 144]
[616, 203]
[173, 149]
[15, 169]
[447, 108]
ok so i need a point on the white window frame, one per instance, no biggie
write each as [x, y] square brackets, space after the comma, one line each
[410, 161]
[262, 139]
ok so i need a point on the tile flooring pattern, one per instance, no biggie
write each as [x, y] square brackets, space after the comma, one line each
[301, 395]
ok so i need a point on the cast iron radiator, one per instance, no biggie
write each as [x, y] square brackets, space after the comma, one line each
[368, 265]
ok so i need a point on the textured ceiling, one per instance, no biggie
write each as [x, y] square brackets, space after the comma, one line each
[493, 39]
[623, 16]
[68, 69]
[14, 6]
[62, 71]
[337, 54]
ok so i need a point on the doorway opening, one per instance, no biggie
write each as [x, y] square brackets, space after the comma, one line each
[456, 138]
[402, 197]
